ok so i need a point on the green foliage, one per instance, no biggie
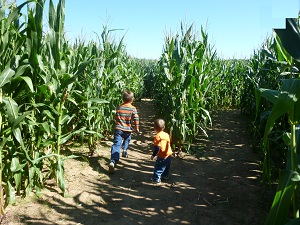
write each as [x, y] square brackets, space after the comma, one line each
[150, 71]
[191, 82]
[52, 92]
[285, 101]
[182, 84]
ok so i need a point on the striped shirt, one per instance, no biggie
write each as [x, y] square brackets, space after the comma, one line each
[125, 117]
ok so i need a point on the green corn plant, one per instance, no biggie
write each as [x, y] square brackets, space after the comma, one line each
[45, 82]
[11, 133]
[266, 68]
[183, 84]
[104, 78]
[11, 41]
[286, 101]
[150, 70]
[61, 79]
[93, 111]
[228, 84]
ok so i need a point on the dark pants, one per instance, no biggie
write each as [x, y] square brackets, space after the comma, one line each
[119, 135]
[161, 168]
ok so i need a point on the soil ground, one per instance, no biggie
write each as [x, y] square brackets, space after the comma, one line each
[220, 186]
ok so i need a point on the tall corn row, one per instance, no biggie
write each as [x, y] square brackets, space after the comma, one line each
[24, 95]
[12, 78]
[286, 103]
[182, 85]
[226, 88]
[107, 75]
[50, 92]
[267, 68]
[150, 70]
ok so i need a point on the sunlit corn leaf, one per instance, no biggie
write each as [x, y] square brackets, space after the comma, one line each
[10, 193]
[18, 135]
[28, 82]
[13, 15]
[287, 97]
[94, 132]
[21, 69]
[290, 37]
[60, 174]
[287, 138]
[15, 165]
[18, 180]
[66, 137]
[97, 100]
[287, 57]
[65, 119]
[6, 76]
[12, 109]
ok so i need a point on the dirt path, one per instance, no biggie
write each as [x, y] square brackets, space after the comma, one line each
[220, 187]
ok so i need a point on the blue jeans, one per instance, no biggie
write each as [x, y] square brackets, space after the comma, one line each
[161, 168]
[119, 135]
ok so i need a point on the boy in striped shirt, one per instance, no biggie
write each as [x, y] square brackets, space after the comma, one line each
[125, 117]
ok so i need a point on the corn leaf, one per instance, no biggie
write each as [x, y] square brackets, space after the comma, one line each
[290, 37]
[28, 82]
[21, 69]
[288, 96]
[10, 192]
[18, 135]
[280, 207]
[12, 109]
[19, 119]
[6, 76]
[97, 100]
[15, 165]
[60, 174]
[18, 180]
[66, 137]
[15, 13]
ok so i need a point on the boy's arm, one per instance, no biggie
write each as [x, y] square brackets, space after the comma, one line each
[136, 120]
[155, 151]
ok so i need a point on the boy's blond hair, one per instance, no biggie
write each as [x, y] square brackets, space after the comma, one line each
[159, 124]
[128, 96]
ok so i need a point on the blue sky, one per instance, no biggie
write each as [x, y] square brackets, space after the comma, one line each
[235, 28]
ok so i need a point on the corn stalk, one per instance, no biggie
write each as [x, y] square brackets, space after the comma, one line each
[183, 84]
[286, 100]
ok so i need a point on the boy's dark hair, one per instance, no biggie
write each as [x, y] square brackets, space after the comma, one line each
[159, 124]
[127, 96]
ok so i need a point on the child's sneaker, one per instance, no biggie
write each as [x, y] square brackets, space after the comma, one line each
[111, 167]
[124, 154]
[155, 181]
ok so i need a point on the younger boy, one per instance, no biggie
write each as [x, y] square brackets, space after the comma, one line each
[162, 150]
[126, 115]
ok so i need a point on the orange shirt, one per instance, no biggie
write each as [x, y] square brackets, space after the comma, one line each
[162, 139]
[126, 115]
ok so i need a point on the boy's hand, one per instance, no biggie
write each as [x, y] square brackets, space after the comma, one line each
[137, 130]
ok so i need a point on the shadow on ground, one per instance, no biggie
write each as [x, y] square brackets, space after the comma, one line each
[221, 187]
